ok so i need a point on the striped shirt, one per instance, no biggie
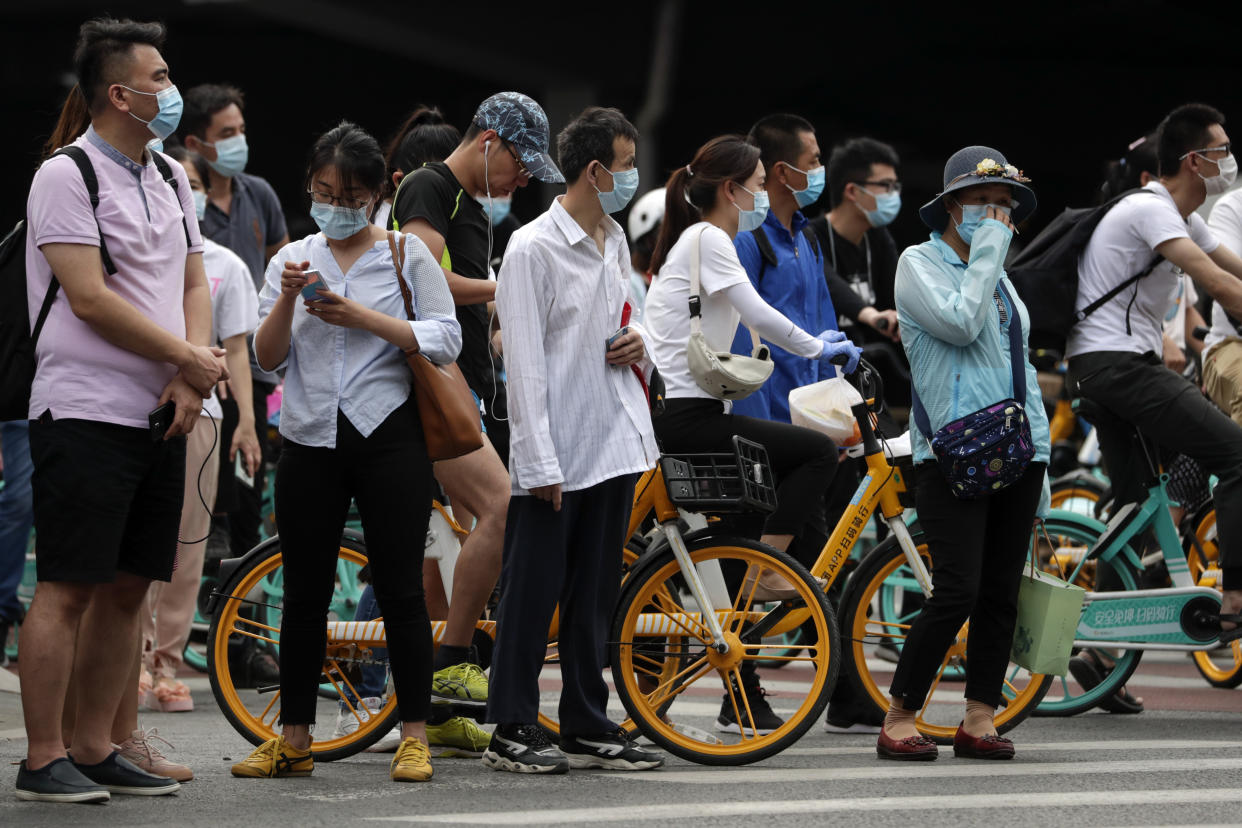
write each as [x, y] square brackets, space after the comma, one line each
[574, 419]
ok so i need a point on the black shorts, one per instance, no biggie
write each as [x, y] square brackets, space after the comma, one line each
[106, 499]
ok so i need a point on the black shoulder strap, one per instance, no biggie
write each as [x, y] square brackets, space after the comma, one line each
[814, 240]
[767, 256]
[1117, 289]
[92, 190]
[87, 169]
[171, 180]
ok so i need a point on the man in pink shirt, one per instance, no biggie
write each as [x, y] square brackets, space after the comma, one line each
[127, 331]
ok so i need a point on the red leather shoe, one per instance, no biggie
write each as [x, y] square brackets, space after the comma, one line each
[913, 748]
[991, 746]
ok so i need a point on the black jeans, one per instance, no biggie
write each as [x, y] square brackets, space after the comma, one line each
[572, 556]
[978, 548]
[389, 476]
[803, 460]
[1138, 389]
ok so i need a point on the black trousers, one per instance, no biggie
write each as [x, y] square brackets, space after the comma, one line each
[247, 514]
[978, 548]
[1138, 389]
[572, 556]
[803, 460]
[389, 476]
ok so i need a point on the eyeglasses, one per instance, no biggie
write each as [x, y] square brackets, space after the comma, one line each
[888, 186]
[1226, 148]
[522, 171]
[343, 201]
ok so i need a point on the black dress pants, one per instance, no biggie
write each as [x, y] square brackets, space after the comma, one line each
[572, 556]
[978, 548]
[389, 476]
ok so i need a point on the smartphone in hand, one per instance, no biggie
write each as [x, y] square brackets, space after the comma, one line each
[314, 281]
[611, 341]
[161, 419]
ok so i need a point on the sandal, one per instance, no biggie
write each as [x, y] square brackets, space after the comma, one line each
[169, 697]
[1088, 671]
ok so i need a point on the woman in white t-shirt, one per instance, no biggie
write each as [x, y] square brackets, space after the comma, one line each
[710, 200]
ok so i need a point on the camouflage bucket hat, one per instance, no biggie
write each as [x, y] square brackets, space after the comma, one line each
[521, 122]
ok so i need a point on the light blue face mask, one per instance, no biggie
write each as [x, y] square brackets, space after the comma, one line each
[339, 222]
[231, 155]
[887, 206]
[200, 203]
[497, 209]
[166, 120]
[972, 217]
[752, 218]
[624, 185]
[814, 186]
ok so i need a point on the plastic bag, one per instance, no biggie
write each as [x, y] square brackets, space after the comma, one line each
[825, 407]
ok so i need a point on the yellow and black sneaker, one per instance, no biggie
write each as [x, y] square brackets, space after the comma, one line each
[275, 759]
[412, 762]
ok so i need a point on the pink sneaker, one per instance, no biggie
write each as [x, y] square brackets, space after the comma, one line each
[139, 750]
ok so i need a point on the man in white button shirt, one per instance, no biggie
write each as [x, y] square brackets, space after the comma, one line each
[580, 434]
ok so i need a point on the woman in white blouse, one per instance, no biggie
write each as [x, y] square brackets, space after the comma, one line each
[710, 200]
[351, 431]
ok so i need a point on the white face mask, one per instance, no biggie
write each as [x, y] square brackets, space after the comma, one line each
[1226, 172]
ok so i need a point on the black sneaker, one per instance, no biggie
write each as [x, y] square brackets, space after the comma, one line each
[853, 718]
[523, 749]
[121, 776]
[58, 781]
[764, 720]
[613, 751]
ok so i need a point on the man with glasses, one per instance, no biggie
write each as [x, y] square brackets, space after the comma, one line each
[505, 147]
[864, 197]
[1114, 354]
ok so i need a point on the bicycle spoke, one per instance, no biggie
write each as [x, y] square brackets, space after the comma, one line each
[266, 710]
[256, 637]
[660, 700]
[750, 717]
[932, 691]
[258, 624]
[345, 680]
[699, 662]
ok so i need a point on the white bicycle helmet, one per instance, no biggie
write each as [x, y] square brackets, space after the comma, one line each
[646, 213]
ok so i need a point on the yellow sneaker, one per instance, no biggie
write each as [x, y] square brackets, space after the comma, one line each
[412, 762]
[460, 684]
[459, 737]
[274, 759]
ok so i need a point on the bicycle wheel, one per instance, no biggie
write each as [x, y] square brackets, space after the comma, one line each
[880, 603]
[1221, 667]
[1072, 538]
[672, 681]
[249, 609]
[1077, 492]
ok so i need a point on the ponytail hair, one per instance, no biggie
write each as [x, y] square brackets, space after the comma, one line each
[75, 117]
[692, 190]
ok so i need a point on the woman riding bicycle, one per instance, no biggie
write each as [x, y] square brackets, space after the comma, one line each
[709, 201]
[957, 308]
[351, 431]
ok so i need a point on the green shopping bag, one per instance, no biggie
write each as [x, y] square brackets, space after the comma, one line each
[1048, 613]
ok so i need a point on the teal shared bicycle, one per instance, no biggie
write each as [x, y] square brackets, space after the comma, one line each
[1123, 614]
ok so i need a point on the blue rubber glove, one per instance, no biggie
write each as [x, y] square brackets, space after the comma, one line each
[837, 348]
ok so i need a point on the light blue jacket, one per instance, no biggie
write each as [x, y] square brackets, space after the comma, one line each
[952, 333]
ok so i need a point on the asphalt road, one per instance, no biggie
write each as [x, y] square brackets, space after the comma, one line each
[1179, 763]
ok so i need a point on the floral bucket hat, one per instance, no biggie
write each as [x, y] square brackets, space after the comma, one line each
[978, 165]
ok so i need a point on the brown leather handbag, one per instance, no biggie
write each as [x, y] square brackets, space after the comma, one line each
[451, 424]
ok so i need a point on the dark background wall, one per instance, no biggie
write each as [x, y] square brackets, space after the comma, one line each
[1059, 89]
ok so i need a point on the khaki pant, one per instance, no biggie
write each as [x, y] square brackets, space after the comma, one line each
[1222, 376]
[170, 606]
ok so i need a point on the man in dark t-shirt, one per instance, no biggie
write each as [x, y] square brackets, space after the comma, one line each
[433, 195]
[505, 146]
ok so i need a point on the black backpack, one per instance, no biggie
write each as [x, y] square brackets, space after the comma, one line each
[1045, 273]
[17, 340]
